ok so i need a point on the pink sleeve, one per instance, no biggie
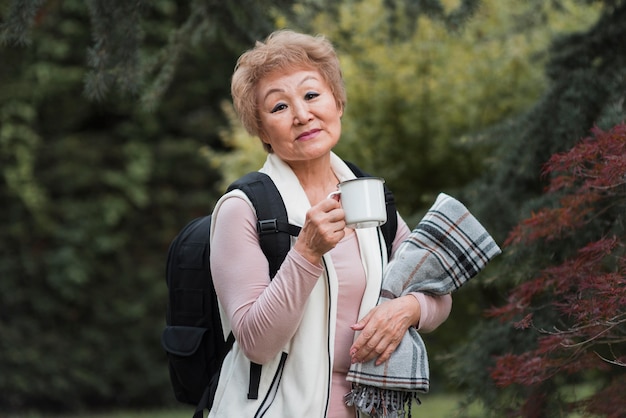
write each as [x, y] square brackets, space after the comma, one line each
[264, 313]
[434, 309]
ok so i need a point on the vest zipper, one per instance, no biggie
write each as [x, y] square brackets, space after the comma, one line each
[271, 393]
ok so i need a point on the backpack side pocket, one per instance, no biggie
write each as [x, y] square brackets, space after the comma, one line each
[189, 361]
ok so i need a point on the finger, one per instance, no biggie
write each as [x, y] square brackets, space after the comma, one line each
[385, 347]
[386, 355]
[360, 340]
[377, 342]
[337, 218]
[328, 204]
[368, 345]
[361, 324]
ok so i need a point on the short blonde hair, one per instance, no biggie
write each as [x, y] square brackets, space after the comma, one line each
[282, 50]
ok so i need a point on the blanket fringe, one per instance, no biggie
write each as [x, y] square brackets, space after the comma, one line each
[381, 403]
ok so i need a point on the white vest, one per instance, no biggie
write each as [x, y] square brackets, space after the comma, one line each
[296, 383]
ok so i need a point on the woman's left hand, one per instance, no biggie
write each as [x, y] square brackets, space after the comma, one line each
[383, 328]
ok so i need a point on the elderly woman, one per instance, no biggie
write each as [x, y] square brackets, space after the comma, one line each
[300, 325]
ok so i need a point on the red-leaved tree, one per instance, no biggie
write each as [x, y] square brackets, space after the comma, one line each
[583, 292]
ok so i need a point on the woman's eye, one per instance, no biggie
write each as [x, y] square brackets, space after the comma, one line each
[278, 107]
[311, 95]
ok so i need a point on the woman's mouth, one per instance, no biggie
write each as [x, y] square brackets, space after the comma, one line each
[308, 134]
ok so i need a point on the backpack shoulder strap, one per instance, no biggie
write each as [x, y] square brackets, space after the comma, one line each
[272, 224]
[275, 233]
[390, 227]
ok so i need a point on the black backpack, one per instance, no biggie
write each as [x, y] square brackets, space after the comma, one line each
[193, 337]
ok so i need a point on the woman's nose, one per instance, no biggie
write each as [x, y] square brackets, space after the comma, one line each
[301, 113]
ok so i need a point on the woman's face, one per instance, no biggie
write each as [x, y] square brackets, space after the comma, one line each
[299, 115]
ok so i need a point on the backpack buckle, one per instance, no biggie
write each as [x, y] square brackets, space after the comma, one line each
[267, 226]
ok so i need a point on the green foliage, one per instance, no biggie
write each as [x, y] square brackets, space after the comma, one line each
[92, 194]
[415, 101]
[585, 88]
[122, 58]
[244, 153]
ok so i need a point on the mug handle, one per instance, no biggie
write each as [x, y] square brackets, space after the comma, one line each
[333, 194]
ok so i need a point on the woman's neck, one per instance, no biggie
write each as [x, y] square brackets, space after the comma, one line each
[317, 178]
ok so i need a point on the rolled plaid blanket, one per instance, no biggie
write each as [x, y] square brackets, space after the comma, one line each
[446, 249]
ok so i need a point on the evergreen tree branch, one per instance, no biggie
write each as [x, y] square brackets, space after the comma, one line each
[21, 17]
[163, 66]
[114, 57]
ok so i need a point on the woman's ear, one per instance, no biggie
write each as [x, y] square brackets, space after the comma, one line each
[264, 138]
[267, 145]
[340, 108]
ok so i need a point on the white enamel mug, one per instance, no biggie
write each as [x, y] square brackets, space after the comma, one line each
[363, 201]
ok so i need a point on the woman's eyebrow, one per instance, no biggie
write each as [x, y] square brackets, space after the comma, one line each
[279, 90]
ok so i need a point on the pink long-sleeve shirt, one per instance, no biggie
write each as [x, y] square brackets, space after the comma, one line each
[265, 314]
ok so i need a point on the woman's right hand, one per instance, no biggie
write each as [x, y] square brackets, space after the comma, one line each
[323, 228]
